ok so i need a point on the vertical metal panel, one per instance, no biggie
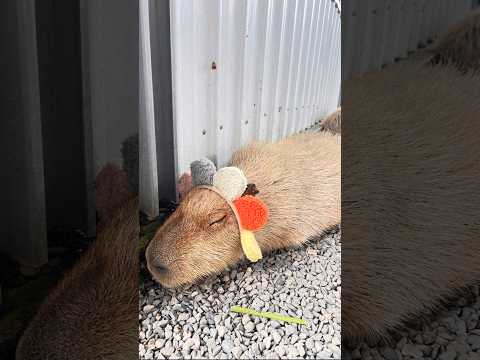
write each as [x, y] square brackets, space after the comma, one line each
[148, 182]
[323, 86]
[113, 91]
[246, 70]
[23, 212]
[349, 21]
[284, 66]
[414, 40]
[162, 134]
[270, 69]
[406, 25]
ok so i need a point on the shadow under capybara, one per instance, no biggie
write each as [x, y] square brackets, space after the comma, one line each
[298, 178]
[410, 190]
[92, 313]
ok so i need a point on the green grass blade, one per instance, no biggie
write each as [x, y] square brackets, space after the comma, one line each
[269, 315]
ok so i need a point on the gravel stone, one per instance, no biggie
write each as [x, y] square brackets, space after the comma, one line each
[195, 322]
[453, 335]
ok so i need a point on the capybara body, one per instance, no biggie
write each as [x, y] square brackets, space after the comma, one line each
[92, 313]
[410, 194]
[298, 178]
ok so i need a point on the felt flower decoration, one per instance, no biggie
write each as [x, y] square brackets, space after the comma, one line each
[202, 172]
[231, 184]
[253, 213]
[231, 181]
[250, 246]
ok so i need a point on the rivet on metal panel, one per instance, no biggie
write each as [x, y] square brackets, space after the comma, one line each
[221, 127]
[264, 114]
[374, 12]
[279, 109]
[214, 65]
[204, 132]
[246, 122]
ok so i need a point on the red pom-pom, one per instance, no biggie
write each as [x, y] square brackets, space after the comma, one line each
[253, 213]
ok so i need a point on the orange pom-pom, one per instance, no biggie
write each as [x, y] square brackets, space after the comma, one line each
[253, 213]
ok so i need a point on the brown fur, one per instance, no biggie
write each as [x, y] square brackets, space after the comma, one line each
[92, 312]
[299, 180]
[410, 194]
[460, 47]
[111, 190]
[332, 122]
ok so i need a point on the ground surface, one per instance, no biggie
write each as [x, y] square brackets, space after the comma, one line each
[22, 293]
[196, 322]
[454, 335]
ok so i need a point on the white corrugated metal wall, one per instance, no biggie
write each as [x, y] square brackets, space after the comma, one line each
[246, 70]
[382, 30]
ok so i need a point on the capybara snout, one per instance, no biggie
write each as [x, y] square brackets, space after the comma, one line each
[199, 238]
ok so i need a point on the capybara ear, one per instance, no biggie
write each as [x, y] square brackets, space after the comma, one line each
[111, 190]
[184, 185]
[202, 171]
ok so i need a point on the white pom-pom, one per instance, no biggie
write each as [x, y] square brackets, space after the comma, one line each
[231, 181]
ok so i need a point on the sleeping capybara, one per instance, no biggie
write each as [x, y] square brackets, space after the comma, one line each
[410, 189]
[298, 178]
[93, 312]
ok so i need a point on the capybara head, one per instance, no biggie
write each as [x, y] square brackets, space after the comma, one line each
[200, 238]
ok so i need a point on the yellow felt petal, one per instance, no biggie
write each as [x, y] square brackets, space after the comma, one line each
[250, 246]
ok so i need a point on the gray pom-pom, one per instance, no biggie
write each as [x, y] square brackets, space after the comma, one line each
[202, 172]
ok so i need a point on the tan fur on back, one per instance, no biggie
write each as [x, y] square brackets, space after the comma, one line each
[299, 180]
[411, 194]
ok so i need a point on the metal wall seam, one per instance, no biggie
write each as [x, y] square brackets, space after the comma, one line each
[323, 58]
[349, 17]
[270, 68]
[325, 85]
[336, 81]
[248, 73]
[416, 18]
[285, 60]
[230, 81]
[313, 109]
[304, 121]
[296, 126]
[289, 75]
[379, 35]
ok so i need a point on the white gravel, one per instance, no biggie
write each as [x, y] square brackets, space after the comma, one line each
[453, 335]
[196, 323]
